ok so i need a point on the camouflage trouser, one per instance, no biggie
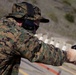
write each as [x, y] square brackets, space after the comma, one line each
[12, 66]
[15, 66]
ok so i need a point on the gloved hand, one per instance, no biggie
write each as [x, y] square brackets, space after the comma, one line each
[71, 55]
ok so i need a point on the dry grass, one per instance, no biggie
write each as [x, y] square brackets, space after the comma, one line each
[53, 17]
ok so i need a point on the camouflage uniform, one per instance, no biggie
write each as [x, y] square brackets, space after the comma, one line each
[16, 42]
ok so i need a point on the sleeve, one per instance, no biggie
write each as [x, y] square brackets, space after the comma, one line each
[34, 50]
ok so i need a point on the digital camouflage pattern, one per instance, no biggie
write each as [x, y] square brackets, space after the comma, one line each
[27, 11]
[16, 42]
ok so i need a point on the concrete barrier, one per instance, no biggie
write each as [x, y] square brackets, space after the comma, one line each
[57, 42]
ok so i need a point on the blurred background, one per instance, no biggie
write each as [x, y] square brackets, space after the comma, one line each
[62, 15]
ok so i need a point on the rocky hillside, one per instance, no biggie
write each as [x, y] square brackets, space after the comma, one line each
[62, 15]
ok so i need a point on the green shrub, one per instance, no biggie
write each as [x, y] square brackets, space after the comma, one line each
[69, 17]
[74, 9]
[67, 2]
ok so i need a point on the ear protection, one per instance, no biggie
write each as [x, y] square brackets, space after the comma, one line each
[29, 25]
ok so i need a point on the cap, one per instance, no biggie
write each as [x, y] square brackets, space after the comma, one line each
[28, 11]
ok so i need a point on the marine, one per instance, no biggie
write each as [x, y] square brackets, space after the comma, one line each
[18, 41]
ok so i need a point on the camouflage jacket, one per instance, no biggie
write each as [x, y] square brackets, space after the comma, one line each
[16, 42]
